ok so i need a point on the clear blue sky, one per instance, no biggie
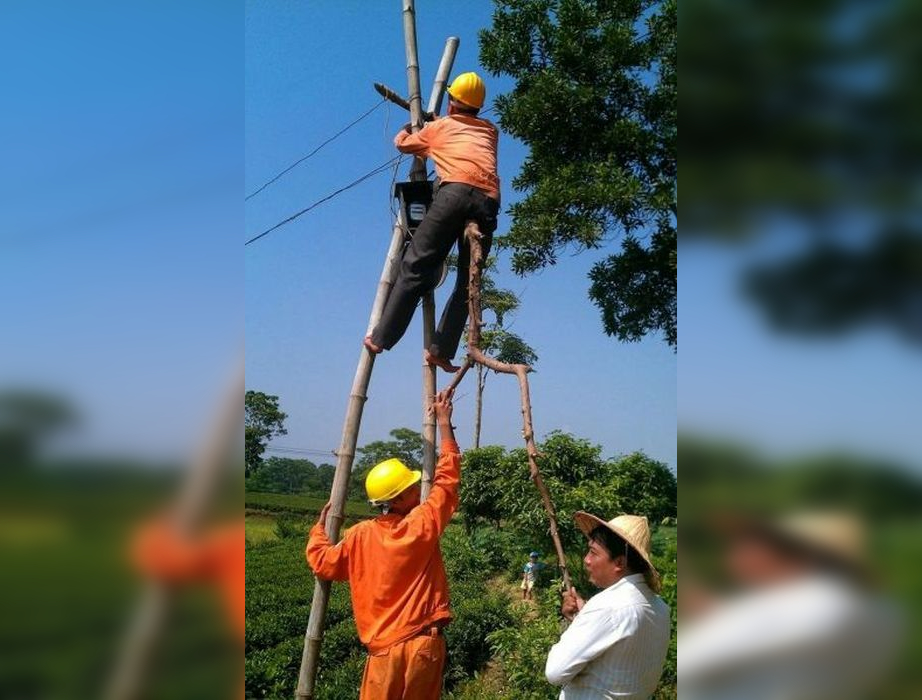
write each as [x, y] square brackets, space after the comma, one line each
[121, 271]
[309, 285]
[787, 395]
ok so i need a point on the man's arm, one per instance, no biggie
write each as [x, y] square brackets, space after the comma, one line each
[591, 634]
[329, 562]
[416, 144]
[431, 517]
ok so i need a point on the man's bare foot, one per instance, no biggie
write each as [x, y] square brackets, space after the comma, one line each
[441, 362]
[376, 349]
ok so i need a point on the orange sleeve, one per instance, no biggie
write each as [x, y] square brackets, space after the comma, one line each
[160, 552]
[329, 562]
[420, 143]
[430, 518]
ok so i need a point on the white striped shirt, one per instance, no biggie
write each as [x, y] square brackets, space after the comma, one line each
[615, 647]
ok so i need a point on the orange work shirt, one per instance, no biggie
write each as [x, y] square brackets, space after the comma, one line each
[393, 563]
[218, 556]
[462, 147]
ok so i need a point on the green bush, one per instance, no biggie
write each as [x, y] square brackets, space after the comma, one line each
[477, 613]
[289, 526]
[522, 651]
[340, 681]
[500, 548]
[463, 561]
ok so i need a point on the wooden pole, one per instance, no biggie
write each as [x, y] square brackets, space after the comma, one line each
[475, 355]
[313, 635]
[345, 456]
[146, 626]
[418, 171]
[429, 380]
[478, 406]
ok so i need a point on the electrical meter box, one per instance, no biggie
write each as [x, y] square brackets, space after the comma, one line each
[415, 198]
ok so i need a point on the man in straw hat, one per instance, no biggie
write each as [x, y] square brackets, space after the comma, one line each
[804, 622]
[617, 641]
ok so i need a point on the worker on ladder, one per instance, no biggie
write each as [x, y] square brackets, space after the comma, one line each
[395, 571]
[463, 147]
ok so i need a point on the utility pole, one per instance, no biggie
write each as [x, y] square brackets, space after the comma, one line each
[429, 381]
[313, 635]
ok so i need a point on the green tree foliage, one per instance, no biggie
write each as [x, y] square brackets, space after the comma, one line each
[405, 444]
[262, 421]
[596, 102]
[481, 485]
[497, 488]
[496, 339]
[27, 419]
[842, 173]
[285, 475]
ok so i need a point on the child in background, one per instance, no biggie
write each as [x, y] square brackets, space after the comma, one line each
[531, 568]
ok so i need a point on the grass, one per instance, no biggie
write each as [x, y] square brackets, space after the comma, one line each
[300, 504]
[260, 528]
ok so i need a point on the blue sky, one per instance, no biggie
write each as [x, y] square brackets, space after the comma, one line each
[780, 394]
[121, 273]
[309, 285]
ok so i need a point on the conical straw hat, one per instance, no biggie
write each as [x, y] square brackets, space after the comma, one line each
[633, 529]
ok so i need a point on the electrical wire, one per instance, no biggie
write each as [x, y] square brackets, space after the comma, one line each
[298, 450]
[380, 169]
[304, 158]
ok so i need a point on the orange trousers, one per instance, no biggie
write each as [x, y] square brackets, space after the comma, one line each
[410, 670]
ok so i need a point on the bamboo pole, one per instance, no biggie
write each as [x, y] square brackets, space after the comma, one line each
[478, 406]
[345, 456]
[146, 626]
[313, 635]
[429, 380]
[475, 355]
[418, 170]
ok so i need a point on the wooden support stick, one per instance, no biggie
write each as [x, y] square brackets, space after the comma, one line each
[313, 635]
[392, 96]
[429, 380]
[473, 235]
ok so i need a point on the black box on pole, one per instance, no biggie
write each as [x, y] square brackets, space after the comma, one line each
[415, 198]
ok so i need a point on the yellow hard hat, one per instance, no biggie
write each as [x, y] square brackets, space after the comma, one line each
[469, 89]
[388, 479]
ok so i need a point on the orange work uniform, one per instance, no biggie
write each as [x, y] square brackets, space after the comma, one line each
[462, 147]
[399, 587]
[219, 556]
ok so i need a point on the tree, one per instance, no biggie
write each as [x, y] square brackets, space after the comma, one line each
[284, 475]
[496, 340]
[481, 486]
[596, 102]
[325, 473]
[27, 419]
[496, 488]
[406, 445]
[841, 174]
[647, 487]
[262, 421]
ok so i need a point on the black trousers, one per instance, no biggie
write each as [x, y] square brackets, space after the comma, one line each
[454, 204]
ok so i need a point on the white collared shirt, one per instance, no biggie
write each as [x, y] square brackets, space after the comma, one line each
[615, 646]
[811, 638]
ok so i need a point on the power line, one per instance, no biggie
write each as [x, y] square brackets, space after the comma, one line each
[304, 450]
[304, 158]
[380, 169]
